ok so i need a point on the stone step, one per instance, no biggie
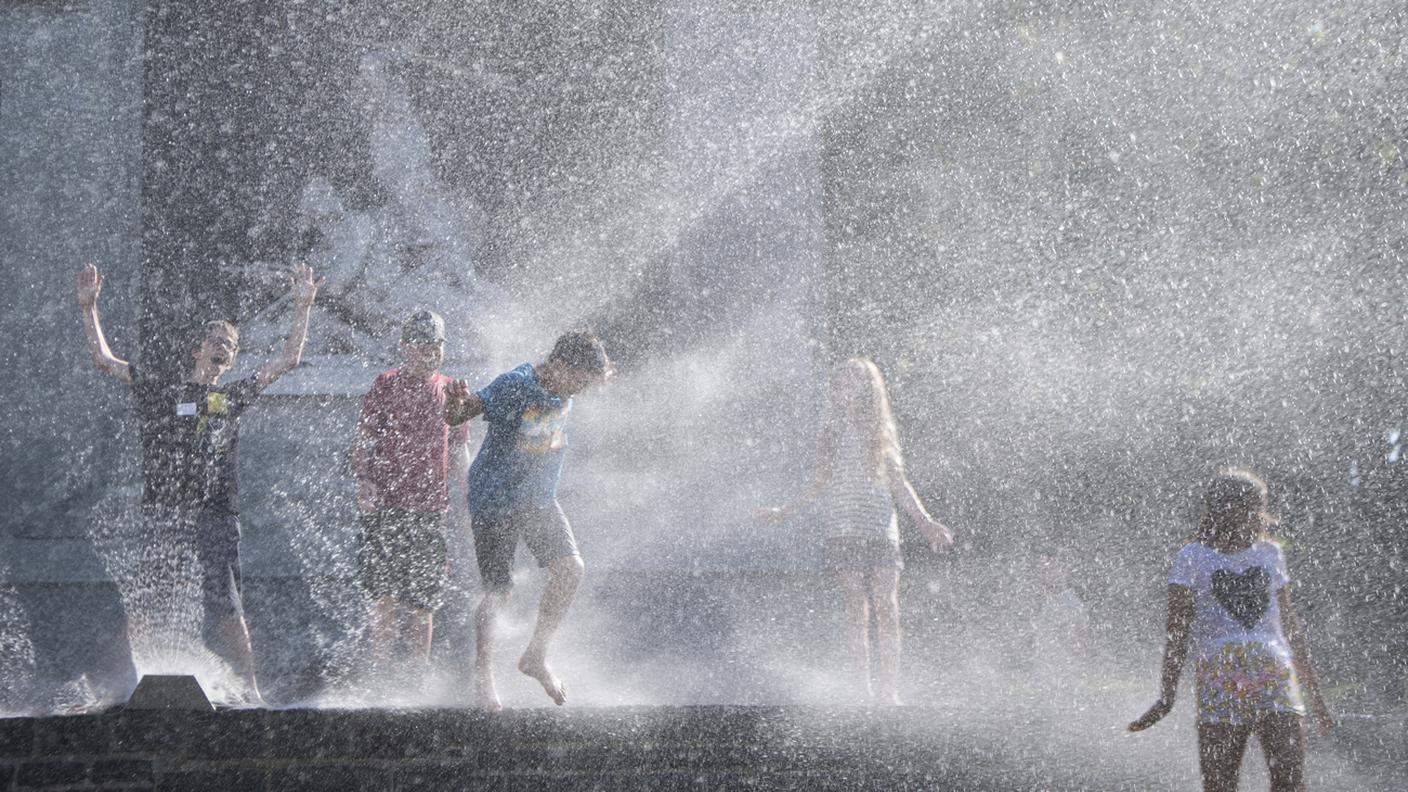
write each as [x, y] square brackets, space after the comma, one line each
[655, 748]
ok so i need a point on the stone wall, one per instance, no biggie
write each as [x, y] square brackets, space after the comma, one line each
[705, 748]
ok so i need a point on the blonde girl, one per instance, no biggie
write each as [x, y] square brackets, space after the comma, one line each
[1229, 592]
[859, 480]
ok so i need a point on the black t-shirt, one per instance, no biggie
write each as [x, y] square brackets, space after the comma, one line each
[190, 440]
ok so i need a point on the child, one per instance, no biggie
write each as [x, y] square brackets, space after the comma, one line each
[513, 495]
[404, 456]
[190, 447]
[860, 477]
[1229, 586]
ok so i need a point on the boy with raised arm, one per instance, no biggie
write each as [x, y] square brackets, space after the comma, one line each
[404, 456]
[513, 495]
[190, 444]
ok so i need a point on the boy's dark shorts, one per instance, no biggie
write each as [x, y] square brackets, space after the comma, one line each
[861, 553]
[215, 534]
[545, 531]
[402, 555]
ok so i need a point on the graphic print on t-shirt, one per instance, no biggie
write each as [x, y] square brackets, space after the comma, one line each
[1246, 596]
[214, 427]
[540, 431]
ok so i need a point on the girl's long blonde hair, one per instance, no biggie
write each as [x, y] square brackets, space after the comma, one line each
[860, 380]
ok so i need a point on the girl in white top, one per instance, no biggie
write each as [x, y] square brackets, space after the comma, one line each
[1230, 590]
[860, 478]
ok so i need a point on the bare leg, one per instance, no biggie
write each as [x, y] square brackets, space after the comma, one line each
[884, 598]
[1220, 749]
[486, 694]
[383, 632]
[857, 628]
[420, 626]
[564, 576]
[1282, 738]
[240, 654]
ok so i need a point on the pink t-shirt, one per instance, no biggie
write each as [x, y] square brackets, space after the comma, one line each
[404, 416]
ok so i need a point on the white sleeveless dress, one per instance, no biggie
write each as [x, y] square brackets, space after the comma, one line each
[858, 501]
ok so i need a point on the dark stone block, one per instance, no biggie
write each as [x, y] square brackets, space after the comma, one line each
[122, 771]
[307, 735]
[722, 757]
[7, 775]
[759, 782]
[602, 782]
[515, 727]
[332, 778]
[86, 735]
[437, 776]
[243, 734]
[607, 756]
[16, 737]
[586, 726]
[168, 733]
[47, 774]
[410, 781]
[389, 735]
[504, 757]
[223, 780]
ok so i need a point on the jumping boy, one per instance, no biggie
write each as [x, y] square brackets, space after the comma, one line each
[403, 456]
[513, 494]
[190, 445]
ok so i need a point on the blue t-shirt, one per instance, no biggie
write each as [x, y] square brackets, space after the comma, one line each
[520, 461]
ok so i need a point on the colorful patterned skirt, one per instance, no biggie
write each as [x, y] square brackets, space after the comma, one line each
[1241, 682]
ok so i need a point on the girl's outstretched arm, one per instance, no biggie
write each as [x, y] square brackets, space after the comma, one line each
[1180, 621]
[1300, 658]
[821, 477]
[812, 491]
[902, 492]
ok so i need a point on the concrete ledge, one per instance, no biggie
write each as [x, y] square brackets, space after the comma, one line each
[706, 748]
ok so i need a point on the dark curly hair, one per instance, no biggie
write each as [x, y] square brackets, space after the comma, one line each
[1235, 506]
[583, 351]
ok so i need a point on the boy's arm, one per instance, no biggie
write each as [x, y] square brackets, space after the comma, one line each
[305, 289]
[90, 283]
[458, 514]
[362, 444]
[368, 497]
[369, 424]
[459, 453]
[461, 404]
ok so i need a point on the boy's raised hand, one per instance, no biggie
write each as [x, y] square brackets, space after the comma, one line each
[304, 286]
[90, 283]
[457, 391]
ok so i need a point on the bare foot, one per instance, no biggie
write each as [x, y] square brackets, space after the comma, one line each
[536, 667]
[486, 695]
